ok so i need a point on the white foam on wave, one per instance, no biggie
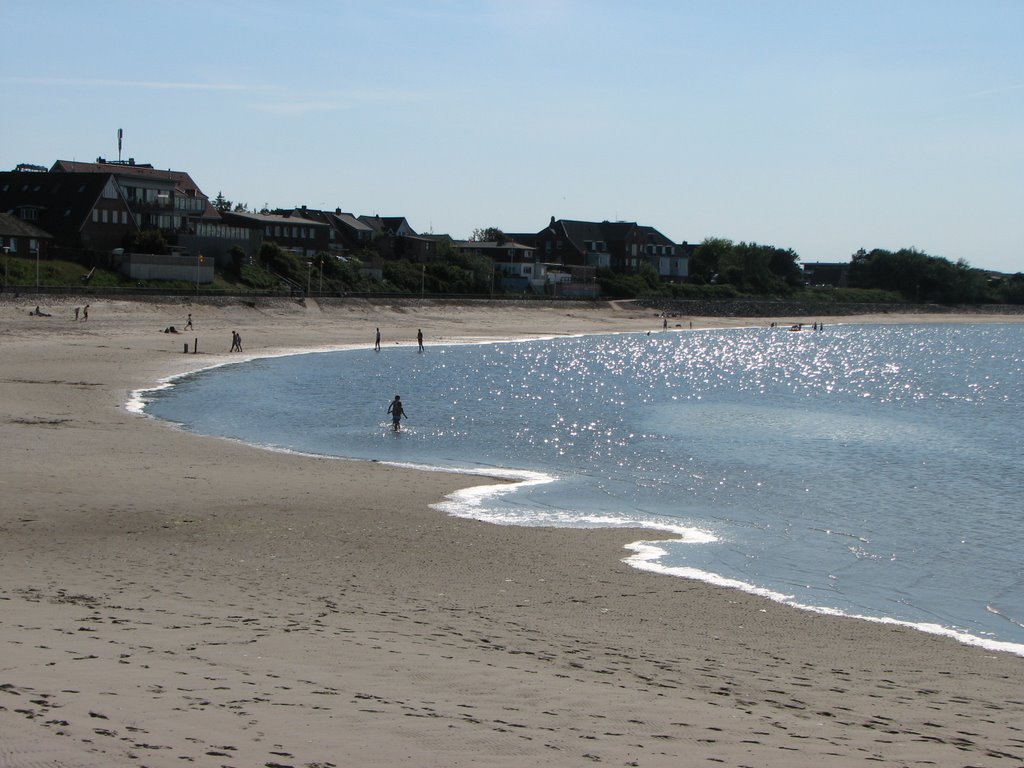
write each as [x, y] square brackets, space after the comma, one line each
[471, 503]
[647, 554]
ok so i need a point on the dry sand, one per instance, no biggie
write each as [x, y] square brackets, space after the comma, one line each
[168, 599]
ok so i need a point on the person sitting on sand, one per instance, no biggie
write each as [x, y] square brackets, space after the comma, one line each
[38, 313]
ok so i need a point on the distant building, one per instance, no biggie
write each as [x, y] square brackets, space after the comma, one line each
[621, 246]
[22, 238]
[302, 236]
[97, 206]
[394, 238]
[515, 265]
[827, 273]
[349, 233]
[83, 211]
[389, 226]
[166, 200]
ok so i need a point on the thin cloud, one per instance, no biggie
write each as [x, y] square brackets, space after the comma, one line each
[343, 101]
[303, 107]
[993, 91]
[143, 84]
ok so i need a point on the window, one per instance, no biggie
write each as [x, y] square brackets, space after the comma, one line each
[103, 215]
[95, 216]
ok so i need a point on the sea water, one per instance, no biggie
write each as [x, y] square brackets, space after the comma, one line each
[868, 470]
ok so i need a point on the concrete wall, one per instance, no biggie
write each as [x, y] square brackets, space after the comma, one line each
[147, 266]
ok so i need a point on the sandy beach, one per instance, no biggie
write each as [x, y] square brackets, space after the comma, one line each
[170, 599]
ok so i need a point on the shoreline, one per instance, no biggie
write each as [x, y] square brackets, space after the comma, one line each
[168, 596]
[642, 557]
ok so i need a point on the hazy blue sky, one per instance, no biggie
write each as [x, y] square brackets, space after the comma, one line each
[819, 126]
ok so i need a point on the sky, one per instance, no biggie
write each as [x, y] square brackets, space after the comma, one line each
[820, 126]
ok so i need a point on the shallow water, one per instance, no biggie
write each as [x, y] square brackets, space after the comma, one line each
[869, 470]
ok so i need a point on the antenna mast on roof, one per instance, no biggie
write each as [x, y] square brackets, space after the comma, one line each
[120, 135]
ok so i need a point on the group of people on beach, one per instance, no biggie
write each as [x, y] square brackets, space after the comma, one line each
[37, 312]
[419, 340]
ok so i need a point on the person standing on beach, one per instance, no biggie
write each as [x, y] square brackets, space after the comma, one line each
[188, 323]
[419, 338]
[376, 342]
[397, 412]
[77, 310]
[85, 312]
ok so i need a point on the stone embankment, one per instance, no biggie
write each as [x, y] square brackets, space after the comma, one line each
[755, 308]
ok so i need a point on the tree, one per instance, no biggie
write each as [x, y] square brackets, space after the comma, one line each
[750, 267]
[279, 261]
[237, 254]
[919, 277]
[705, 264]
[488, 235]
[146, 241]
[221, 203]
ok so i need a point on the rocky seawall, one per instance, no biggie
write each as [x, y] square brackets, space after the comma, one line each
[757, 308]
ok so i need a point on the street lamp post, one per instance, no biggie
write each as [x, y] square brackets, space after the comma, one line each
[7, 260]
[37, 266]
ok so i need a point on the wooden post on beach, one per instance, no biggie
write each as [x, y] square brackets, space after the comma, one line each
[195, 346]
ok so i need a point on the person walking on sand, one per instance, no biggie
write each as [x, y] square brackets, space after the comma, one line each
[77, 310]
[419, 338]
[188, 323]
[236, 341]
[397, 412]
[376, 342]
[85, 313]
